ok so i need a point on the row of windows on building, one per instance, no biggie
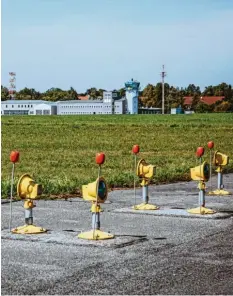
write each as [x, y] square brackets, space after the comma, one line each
[26, 106]
[46, 112]
[86, 113]
[15, 112]
[117, 106]
[91, 106]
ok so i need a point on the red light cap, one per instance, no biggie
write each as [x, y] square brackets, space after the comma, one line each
[100, 158]
[200, 151]
[135, 149]
[210, 144]
[14, 156]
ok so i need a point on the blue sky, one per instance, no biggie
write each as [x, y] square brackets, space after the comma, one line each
[103, 43]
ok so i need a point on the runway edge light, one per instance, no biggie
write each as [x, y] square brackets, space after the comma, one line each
[96, 192]
[201, 173]
[145, 172]
[29, 190]
[220, 160]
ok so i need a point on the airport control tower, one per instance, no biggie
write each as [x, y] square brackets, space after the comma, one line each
[132, 88]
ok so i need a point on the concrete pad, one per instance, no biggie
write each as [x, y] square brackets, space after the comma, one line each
[173, 213]
[70, 239]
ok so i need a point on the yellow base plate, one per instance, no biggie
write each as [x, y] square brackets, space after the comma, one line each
[219, 192]
[95, 235]
[28, 229]
[201, 211]
[144, 206]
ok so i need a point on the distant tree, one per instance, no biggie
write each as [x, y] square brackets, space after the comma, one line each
[223, 107]
[209, 91]
[72, 94]
[158, 89]
[55, 94]
[149, 97]
[28, 94]
[192, 89]
[175, 98]
[100, 93]
[204, 108]
[195, 101]
[152, 95]
[220, 90]
[4, 93]
[121, 92]
[92, 92]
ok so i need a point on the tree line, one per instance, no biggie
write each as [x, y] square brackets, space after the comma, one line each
[150, 96]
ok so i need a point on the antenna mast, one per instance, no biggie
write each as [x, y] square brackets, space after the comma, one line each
[12, 85]
[163, 74]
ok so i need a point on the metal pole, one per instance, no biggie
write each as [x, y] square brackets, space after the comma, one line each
[12, 184]
[202, 197]
[29, 215]
[199, 188]
[96, 203]
[163, 95]
[145, 197]
[135, 164]
[210, 169]
[220, 184]
[163, 74]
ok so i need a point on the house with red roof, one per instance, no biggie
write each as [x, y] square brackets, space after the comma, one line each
[84, 98]
[209, 100]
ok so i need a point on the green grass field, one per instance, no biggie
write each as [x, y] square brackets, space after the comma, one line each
[59, 151]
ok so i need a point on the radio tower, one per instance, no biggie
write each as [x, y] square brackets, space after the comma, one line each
[163, 74]
[12, 85]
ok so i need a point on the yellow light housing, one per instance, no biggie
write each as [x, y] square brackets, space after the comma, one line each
[145, 170]
[220, 159]
[201, 172]
[27, 187]
[89, 191]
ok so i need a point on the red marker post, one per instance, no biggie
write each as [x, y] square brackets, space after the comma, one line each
[210, 145]
[199, 153]
[135, 151]
[99, 159]
[14, 157]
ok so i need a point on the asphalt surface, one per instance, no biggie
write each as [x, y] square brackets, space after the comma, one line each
[150, 254]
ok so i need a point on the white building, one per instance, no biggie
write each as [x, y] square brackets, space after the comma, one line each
[109, 105]
[21, 107]
[77, 107]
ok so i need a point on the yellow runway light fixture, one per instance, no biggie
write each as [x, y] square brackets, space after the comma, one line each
[220, 160]
[201, 173]
[145, 172]
[96, 192]
[28, 189]
[89, 191]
